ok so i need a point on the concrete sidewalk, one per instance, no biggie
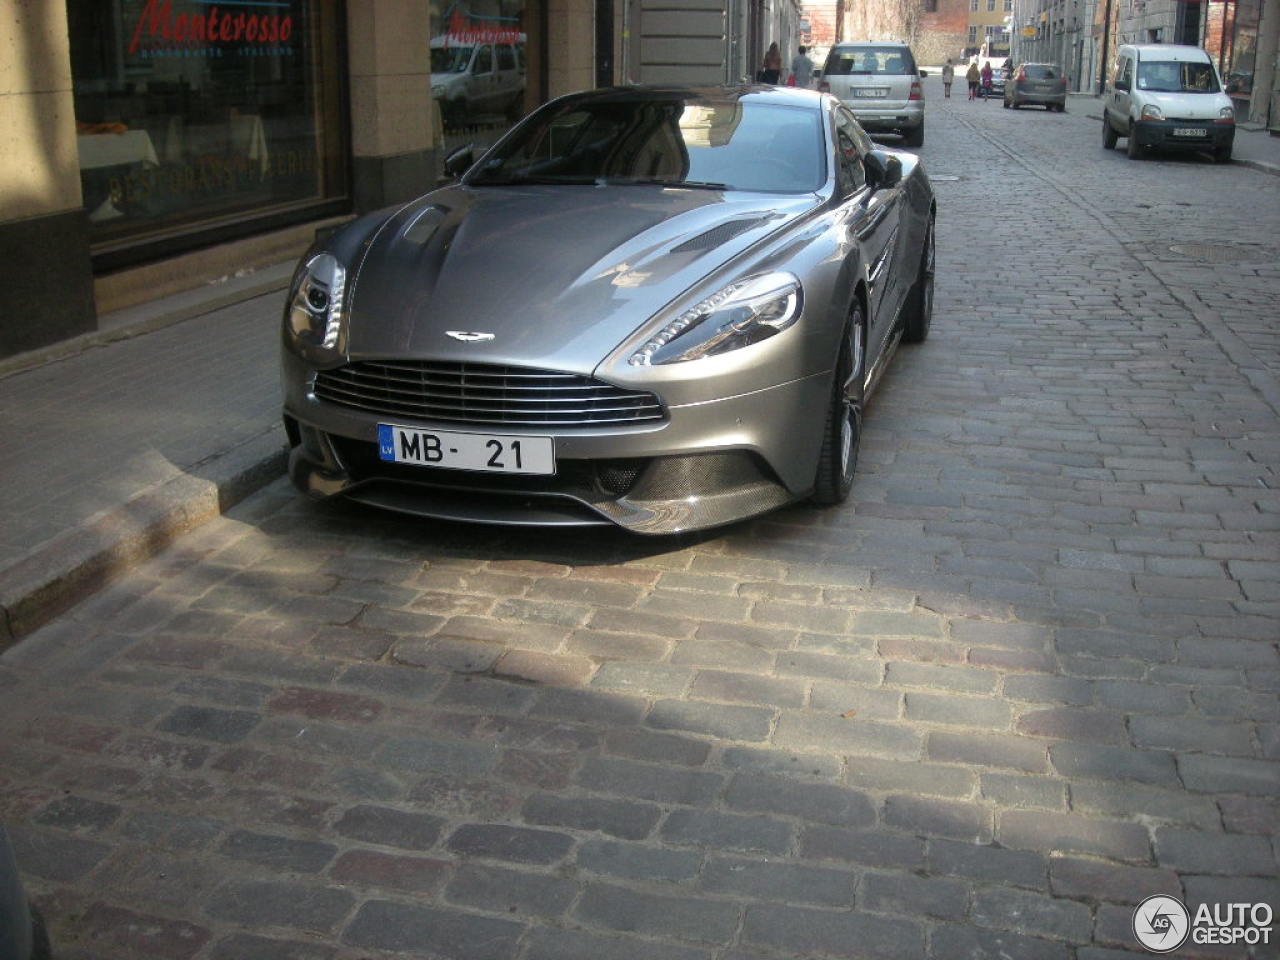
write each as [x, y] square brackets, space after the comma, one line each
[116, 443]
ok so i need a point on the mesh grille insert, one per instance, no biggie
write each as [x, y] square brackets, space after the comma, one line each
[484, 394]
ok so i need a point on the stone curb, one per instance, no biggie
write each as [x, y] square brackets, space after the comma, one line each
[61, 572]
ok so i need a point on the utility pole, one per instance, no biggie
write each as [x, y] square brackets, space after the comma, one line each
[839, 20]
[1106, 43]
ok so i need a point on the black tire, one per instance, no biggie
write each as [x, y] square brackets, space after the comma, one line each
[917, 312]
[1006, 104]
[914, 138]
[1132, 148]
[1109, 136]
[1222, 154]
[842, 430]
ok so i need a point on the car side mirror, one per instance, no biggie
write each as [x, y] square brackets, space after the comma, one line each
[924, 73]
[459, 161]
[1121, 85]
[884, 170]
[816, 74]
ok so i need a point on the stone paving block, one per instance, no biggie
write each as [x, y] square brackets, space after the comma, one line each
[1207, 852]
[280, 903]
[804, 730]
[855, 700]
[961, 711]
[280, 853]
[618, 818]
[933, 779]
[1209, 774]
[390, 827]
[929, 817]
[504, 891]
[643, 781]
[149, 934]
[78, 815]
[1070, 833]
[1087, 879]
[548, 943]
[517, 844]
[1002, 751]
[789, 882]
[395, 871]
[729, 722]
[631, 861]
[683, 917]
[746, 688]
[988, 863]
[1032, 914]
[1020, 790]
[948, 677]
[802, 930]
[385, 925]
[1098, 762]
[246, 946]
[934, 897]
[956, 942]
[726, 831]
[815, 802]
[641, 744]
[1138, 801]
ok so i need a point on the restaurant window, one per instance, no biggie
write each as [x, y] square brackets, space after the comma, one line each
[191, 114]
[479, 74]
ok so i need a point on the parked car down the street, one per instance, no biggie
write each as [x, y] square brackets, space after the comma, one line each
[1043, 84]
[660, 308]
[880, 83]
[1169, 97]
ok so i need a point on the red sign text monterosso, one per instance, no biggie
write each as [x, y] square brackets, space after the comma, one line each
[196, 29]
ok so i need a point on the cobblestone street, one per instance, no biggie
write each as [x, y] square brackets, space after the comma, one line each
[1026, 677]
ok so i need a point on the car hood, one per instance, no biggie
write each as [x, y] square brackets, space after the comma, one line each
[559, 275]
[1188, 106]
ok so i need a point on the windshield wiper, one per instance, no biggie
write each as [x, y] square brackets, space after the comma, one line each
[519, 181]
[661, 182]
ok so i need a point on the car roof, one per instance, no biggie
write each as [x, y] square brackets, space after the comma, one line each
[747, 92]
[848, 44]
[1169, 52]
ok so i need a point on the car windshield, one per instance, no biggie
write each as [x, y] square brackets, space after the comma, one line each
[449, 59]
[667, 139]
[870, 61]
[1170, 76]
[1037, 71]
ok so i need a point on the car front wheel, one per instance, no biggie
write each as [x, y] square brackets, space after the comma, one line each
[917, 312]
[1109, 136]
[914, 138]
[1133, 148]
[843, 428]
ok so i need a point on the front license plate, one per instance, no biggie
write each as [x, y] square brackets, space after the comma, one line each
[876, 92]
[489, 452]
[1188, 132]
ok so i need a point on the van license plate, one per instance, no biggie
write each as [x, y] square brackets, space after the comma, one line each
[877, 92]
[1188, 132]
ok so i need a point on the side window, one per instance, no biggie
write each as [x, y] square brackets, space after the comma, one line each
[484, 60]
[850, 146]
[506, 58]
[1127, 77]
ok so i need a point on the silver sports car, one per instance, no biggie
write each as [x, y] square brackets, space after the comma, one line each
[658, 308]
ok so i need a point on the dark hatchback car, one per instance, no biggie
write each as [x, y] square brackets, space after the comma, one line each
[1043, 84]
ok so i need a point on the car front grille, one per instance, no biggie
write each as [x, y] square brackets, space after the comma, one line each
[484, 394]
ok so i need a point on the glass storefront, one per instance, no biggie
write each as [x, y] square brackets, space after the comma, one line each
[479, 67]
[190, 113]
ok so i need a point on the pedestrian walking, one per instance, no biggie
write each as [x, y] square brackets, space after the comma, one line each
[771, 71]
[948, 76]
[972, 75]
[986, 81]
[801, 68]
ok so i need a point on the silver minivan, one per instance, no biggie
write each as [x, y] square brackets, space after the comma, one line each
[1167, 96]
[879, 82]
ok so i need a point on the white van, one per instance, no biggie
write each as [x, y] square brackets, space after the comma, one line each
[471, 78]
[1168, 96]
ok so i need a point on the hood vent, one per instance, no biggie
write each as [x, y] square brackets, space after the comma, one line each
[718, 235]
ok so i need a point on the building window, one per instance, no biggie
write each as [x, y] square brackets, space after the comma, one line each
[189, 113]
[973, 5]
[973, 33]
[1008, 6]
[991, 6]
[930, 6]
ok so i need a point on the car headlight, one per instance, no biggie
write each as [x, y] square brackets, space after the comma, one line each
[745, 312]
[1152, 112]
[314, 317]
[1227, 115]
